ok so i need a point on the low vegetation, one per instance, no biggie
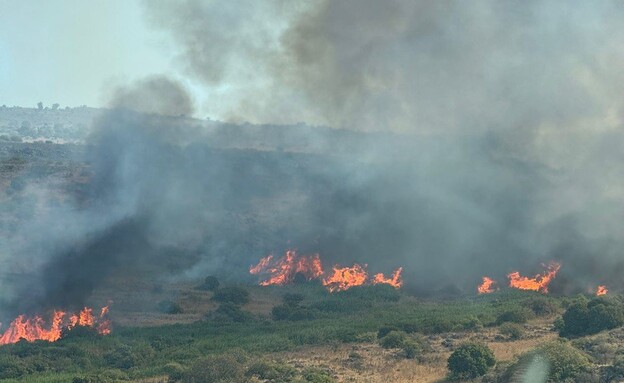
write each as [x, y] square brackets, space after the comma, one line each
[251, 341]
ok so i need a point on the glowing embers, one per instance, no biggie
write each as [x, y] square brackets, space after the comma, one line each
[35, 328]
[601, 290]
[539, 282]
[285, 270]
[487, 286]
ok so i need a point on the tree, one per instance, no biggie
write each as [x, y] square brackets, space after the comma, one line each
[40, 105]
[55, 106]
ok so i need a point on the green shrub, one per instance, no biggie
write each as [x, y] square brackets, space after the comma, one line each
[605, 314]
[394, 339]
[169, 307]
[230, 312]
[375, 293]
[211, 283]
[566, 363]
[317, 375]
[215, 369]
[175, 371]
[518, 315]
[411, 349]
[292, 299]
[79, 332]
[271, 371]
[293, 312]
[355, 360]
[513, 331]
[233, 294]
[470, 361]
[384, 330]
[542, 306]
[583, 318]
[125, 357]
[614, 372]
[472, 323]
[12, 367]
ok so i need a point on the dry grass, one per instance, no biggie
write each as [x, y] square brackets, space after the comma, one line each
[377, 365]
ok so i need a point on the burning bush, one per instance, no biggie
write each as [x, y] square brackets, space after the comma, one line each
[589, 317]
[233, 294]
[470, 361]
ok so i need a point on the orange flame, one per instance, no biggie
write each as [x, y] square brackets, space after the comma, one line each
[283, 270]
[601, 290]
[538, 283]
[395, 281]
[487, 286]
[34, 328]
[343, 278]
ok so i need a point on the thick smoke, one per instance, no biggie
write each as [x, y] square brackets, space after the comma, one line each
[493, 144]
[511, 117]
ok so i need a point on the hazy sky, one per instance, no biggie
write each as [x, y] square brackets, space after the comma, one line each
[72, 51]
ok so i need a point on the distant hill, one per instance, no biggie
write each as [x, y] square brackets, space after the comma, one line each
[72, 125]
[56, 125]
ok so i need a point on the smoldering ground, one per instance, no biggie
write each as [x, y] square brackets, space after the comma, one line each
[493, 144]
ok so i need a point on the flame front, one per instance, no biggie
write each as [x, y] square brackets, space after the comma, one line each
[283, 270]
[395, 281]
[343, 278]
[601, 290]
[34, 328]
[487, 286]
[538, 283]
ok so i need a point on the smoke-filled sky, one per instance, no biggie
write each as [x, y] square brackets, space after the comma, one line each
[497, 138]
[375, 65]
